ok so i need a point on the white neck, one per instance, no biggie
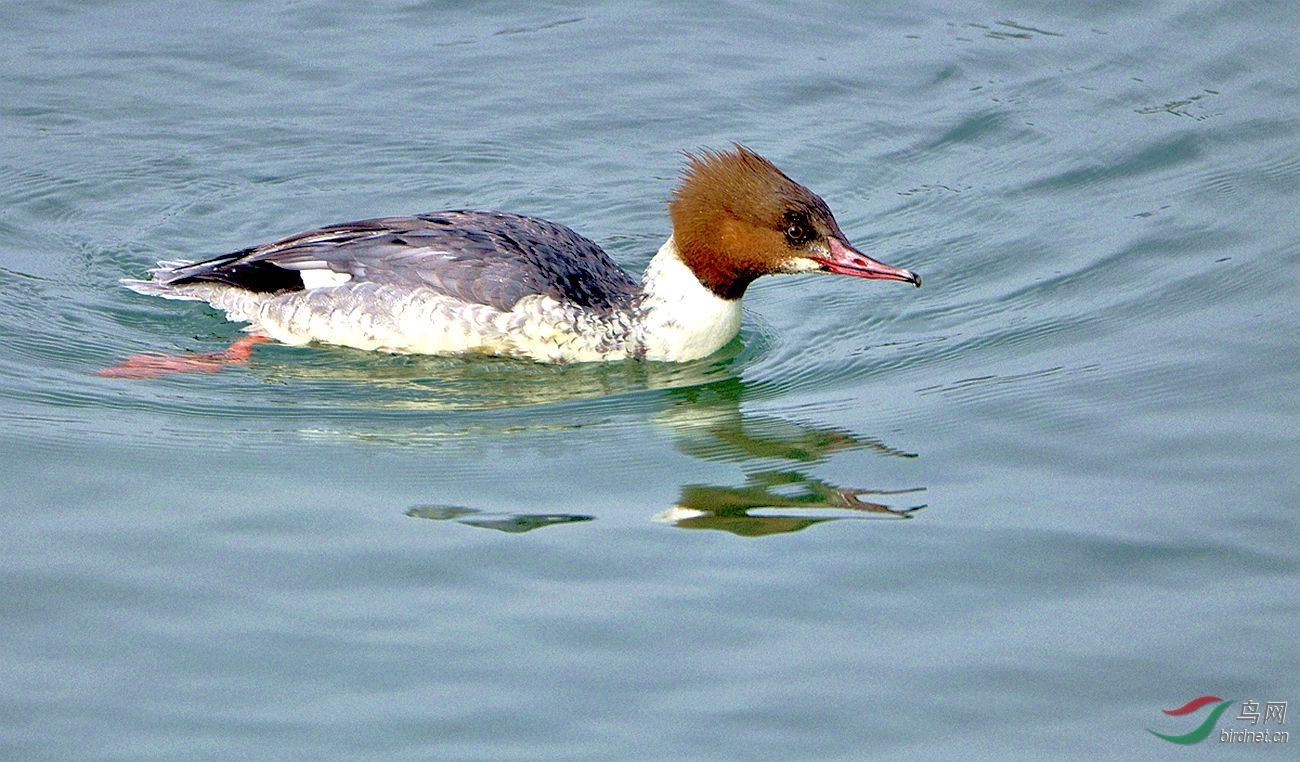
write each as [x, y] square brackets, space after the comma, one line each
[680, 318]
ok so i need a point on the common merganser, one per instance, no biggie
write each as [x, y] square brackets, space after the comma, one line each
[504, 284]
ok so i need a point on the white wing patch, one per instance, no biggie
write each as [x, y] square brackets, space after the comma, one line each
[322, 278]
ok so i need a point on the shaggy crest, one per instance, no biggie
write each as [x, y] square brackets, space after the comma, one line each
[730, 201]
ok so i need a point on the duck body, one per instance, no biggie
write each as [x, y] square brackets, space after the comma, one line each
[482, 282]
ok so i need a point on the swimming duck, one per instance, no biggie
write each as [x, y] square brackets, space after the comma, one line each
[464, 282]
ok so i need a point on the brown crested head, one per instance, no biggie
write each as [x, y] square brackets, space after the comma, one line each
[737, 217]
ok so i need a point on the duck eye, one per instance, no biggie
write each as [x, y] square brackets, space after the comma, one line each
[796, 234]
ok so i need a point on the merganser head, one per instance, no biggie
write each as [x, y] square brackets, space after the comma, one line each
[737, 217]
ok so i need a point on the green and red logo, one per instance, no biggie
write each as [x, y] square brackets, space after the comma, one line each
[1201, 731]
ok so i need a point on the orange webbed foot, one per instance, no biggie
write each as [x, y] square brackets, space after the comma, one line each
[155, 365]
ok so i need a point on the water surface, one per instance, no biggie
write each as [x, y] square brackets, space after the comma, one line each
[1016, 513]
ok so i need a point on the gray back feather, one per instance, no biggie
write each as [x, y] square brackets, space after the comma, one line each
[488, 258]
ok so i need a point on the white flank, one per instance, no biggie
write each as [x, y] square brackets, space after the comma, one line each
[421, 321]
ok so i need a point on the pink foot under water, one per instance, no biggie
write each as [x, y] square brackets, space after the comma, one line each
[155, 365]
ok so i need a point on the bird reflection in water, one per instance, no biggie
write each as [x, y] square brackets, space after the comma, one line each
[512, 523]
[775, 454]
[736, 509]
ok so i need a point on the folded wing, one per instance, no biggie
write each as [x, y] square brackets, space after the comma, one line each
[488, 258]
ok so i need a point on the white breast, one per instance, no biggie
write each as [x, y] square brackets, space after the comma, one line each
[681, 319]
